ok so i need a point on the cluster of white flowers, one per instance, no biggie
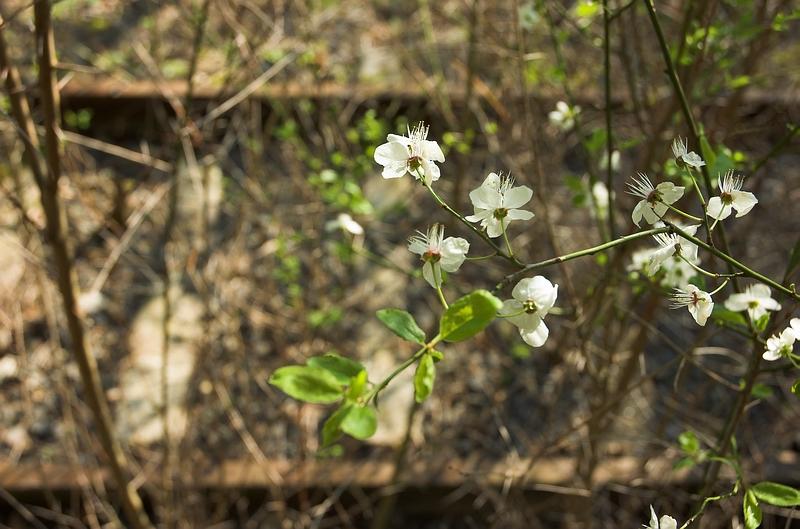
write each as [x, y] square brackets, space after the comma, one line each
[496, 203]
[564, 115]
[782, 344]
[678, 257]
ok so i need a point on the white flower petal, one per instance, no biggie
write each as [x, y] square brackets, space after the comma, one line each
[454, 251]
[432, 151]
[743, 202]
[403, 140]
[493, 227]
[537, 336]
[391, 152]
[717, 210]
[517, 197]
[432, 274]
[519, 214]
[669, 192]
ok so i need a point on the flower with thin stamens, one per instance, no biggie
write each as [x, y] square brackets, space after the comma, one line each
[533, 298]
[654, 199]
[672, 244]
[683, 155]
[665, 522]
[438, 253]
[779, 345]
[496, 202]
[413, 154]
[755, 300]
[697, 301]
[730, 197]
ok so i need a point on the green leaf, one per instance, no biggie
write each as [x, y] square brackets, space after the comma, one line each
[340, 367]
[776, 494]
[723, 315]
[761, 391]
[689, 443]
[796, 387]
[468, 316]
[437, 355]
[686, 462]
[402, 324]
[424, 378]
[762, 322]
[332, 429]
[357, 385]
[706, 150]
[752, 512]
[306, 383]
[360, 422]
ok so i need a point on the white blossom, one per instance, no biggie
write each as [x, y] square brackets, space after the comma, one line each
[346, 223]
[730, 197]
[654, 199]
[600, 195]
[684, 155]
[697, 301]
[779, 345]
[672, 245]
[755, 300]
[438, 253]
[564, 116]
[496, 202]
[666, 522]
[532, 300]
[412, 154]
[794, 325]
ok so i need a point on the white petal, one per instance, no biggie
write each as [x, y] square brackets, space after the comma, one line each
[659, 256]
[432, 151]
[737, 302]
[701, 311]
[667, 522]
[743, 202]
[538, 289]
[492, 180]
[519, 214]
[403, 140]
[485, 197]
[394, 170]
[650, 215]
[638, 211]
[669, 192]
[795, 326]
[517, 197]
[716, 210]
[390, 153]
[535, 337]
[454, 251]
[493, 228]
[480, 214]
[510, 306]
[432, 274]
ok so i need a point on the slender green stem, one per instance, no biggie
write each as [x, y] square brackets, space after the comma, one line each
[373, 395]
[441, 297]
[505, 237]
[707, 273]
[683, 213]
[727, 279]
[574, 255]
[708, 500]
[472, 227]
[481, 257]
[734, 263]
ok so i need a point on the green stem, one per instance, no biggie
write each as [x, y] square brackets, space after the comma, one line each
[720, 288]
[373, 395]
[707, 273]
[683, 213]
[505, 238]
[441, 297]
[574, 255]
[472, 227]
[736, 264]
[708, 500]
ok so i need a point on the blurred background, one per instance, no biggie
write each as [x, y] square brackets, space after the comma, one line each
[225, 217]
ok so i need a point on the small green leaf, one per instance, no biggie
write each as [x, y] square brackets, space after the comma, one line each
[761, 391]
[357, 385]
[306, 383]
[796, 387]
[468, 316]
[762, 322]
[340, 367]
[360, 422]
[723, 315]
[437, 355]
[707, 150]
[776, 494]
[689, 443]
[332, 429]
[424, 378]
[402, 324]
[752, 512]
[686, 462]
